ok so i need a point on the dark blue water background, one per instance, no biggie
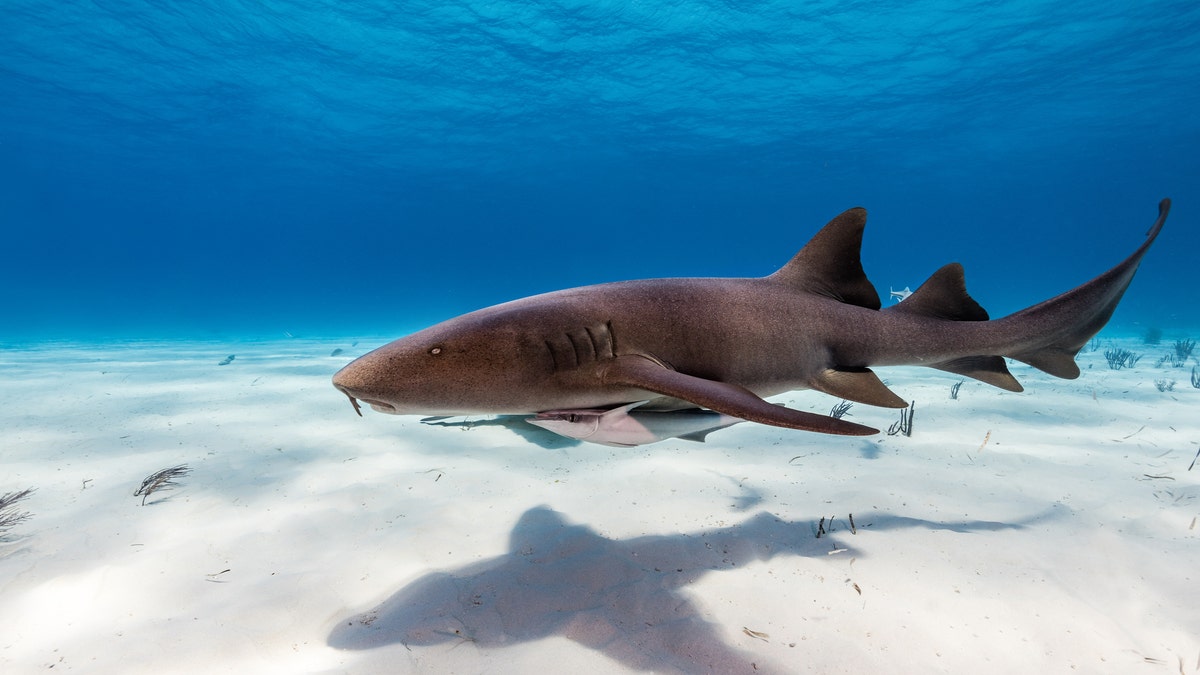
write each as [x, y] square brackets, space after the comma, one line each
[218, 169]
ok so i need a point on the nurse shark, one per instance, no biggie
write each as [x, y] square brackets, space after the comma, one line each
[723, 344]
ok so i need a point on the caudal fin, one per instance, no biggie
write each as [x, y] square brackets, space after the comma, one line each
[1048, 335]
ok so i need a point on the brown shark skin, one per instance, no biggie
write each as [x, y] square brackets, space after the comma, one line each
[816, 323]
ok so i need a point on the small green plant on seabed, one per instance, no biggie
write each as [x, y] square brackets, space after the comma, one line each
[10, 515]
[163, 479]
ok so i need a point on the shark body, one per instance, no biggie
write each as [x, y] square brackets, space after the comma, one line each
[724, 344]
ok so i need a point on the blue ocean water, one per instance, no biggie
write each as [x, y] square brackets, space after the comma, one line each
[317, 168]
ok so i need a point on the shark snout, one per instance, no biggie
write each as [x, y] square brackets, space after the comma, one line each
[349, 383]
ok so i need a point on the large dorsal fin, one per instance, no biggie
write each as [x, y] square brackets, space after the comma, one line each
[830, 264]
[943, 296]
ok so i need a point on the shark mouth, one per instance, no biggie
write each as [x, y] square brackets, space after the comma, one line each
[380, 406]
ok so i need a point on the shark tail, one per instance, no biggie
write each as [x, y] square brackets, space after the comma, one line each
[1046, 336]
[1049, 334]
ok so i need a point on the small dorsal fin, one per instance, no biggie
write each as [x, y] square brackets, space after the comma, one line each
[944, 296]
[830, 263]
[698, 436]
[624, 409]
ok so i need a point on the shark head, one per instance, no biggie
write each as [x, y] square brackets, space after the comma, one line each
[610, 427]
[538, 353]
[577, 424]
[452, 368]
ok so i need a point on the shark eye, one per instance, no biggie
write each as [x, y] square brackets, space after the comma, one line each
[435, 351]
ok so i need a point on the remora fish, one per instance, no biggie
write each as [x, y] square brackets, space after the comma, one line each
[723, 344]
[625, 427]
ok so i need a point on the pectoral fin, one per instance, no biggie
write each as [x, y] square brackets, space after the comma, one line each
[723, 397]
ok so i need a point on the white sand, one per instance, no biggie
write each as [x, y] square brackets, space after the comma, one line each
[1066, 543]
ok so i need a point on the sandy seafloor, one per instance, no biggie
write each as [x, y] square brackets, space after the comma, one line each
[1068, 542]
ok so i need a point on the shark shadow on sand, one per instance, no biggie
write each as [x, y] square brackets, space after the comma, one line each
[619, 597]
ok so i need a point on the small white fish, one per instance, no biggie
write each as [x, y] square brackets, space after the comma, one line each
[901, 294]
[624, 427]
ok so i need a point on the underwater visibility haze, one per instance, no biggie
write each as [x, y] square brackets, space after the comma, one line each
[210, 207]
[218, 169]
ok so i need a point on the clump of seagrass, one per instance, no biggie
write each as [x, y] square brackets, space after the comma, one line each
[839, 411]
[10, 515]
[1196, 377]
[904, 424]
[1178, 359]
[1183, 349]
[954, 389]
[163, 479]
[1165, 385]
[1169, 360]
[1121, 358]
